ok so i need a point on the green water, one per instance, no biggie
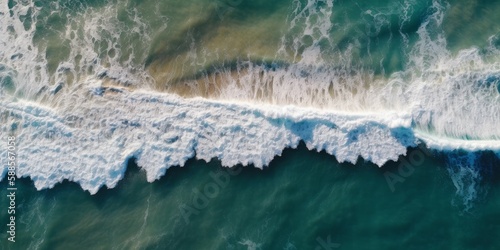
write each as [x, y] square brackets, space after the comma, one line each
[188, 38]
[302, 200]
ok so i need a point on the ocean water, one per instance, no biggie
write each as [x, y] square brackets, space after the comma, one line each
[235, 124]
[330, 206]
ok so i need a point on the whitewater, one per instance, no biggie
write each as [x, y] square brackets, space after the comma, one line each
[85, 120]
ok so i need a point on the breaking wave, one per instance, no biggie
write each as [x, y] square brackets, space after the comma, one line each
[82, 115]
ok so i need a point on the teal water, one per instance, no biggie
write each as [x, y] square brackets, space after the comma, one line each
[303, 200]
[80, 64]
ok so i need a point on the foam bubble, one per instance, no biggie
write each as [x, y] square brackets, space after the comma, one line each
[465, 170]
[91, 144]
[95, 112]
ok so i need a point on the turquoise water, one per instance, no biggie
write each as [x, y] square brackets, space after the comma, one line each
[106, 95]
[304, 199]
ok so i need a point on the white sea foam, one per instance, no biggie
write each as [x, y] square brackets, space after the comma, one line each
[90, 144]
[88, 131]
